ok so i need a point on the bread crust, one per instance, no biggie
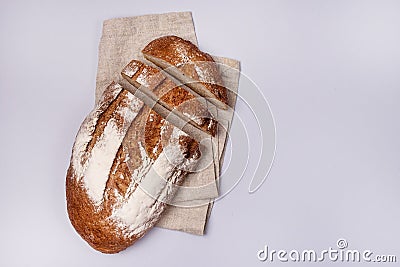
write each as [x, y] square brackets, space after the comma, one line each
[106, 225]
[148, 78]
[199, 66]
[123, 145]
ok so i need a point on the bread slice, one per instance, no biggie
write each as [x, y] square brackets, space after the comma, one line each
[154, 84]
[194, 68]
[125, 166]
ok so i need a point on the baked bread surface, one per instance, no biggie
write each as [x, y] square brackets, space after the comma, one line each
[121, 158]
[195, 68]
[148, 78]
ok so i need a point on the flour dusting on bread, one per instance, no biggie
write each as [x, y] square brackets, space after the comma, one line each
[94, 169]
[116, 190]
[128, 161]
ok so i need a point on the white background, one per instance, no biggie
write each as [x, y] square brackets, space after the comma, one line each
[330, 71]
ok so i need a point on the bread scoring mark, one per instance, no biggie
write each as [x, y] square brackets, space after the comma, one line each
[85, 134]
[153, 134]
[104, 118]
[122, 181]
[142, 207]
[107, 135]
[119, 177]
[99, 164]
[140, 172]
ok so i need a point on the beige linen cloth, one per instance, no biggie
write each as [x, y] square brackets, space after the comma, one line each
[122, 40]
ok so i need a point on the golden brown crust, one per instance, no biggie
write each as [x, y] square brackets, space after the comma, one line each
[93, 222]
[184, 55]
[90, 224]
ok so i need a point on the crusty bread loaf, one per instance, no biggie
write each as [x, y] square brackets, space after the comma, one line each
[149, 79]
[123, 155]
[196, 69]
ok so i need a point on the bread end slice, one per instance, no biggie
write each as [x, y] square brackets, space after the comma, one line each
[194, 68]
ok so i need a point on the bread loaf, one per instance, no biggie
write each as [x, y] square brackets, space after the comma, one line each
[196, 69]
[125, 165]
[171, 96]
